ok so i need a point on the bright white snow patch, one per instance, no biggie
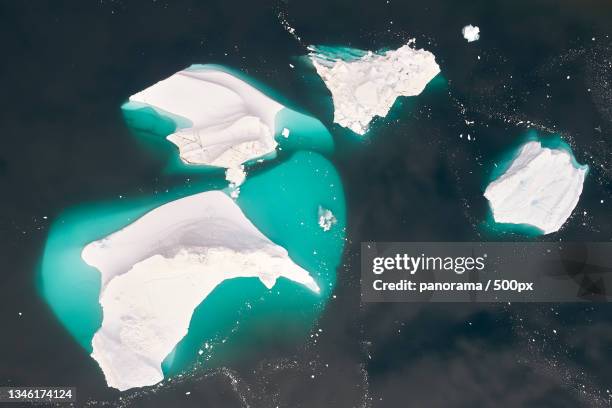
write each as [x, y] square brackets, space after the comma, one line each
[231, 122]
[540, 188]
[326, 219]
[471, 33]
[235, 176]
[156, 270]
[367, 87]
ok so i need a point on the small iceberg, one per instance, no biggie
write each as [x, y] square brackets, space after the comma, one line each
[540, 188]
[326, 219]
[365, 84]
[471, 33]
[158, 269]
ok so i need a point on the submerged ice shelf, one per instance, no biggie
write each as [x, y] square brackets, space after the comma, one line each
[364, 84]
[151, 286]
[540, 188]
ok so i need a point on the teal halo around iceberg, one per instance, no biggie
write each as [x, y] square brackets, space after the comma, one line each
[151, 125]
[502, 163]
[282, 201]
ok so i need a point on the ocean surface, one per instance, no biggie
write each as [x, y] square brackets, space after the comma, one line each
[72, 169]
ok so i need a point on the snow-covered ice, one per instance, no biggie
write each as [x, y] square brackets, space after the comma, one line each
[368, 86]
[156, 271]
[540, 188]
[231, 122]
[471, 33]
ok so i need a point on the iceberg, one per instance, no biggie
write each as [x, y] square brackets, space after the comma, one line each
[540, 188]
[235, 176]
[471, 33]
[364, 84]
[158, 269]
[219, 119]
[229, 121]
[327, 219]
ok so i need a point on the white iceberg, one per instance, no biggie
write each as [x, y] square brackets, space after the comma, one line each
[471, 33]
[158, 269]
[540, 188]
[235, 176]
[231, 122]
[326, 219]
[368, 86]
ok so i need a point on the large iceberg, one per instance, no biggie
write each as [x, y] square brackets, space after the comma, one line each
[158, 269]
[231, 122]
[540, 188]
[366, 84]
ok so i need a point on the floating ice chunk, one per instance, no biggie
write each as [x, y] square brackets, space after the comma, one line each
[285, 132]
[231, 121]
[471, 33]
[157, 270]
[326, 219]
[235, 176]
[367, 86]
[540, 188]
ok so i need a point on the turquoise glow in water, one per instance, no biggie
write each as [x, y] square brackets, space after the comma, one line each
[503, 163]
[281, 201]
[69, 285]
[151, 126]
[333, 53]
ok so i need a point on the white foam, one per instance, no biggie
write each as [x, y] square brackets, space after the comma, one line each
[155, 271]
[367, 87]
[540, 188]
[231, 121]
[471, 33]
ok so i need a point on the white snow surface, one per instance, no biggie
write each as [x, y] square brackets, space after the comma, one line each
[540, 188]
[231, 121]
[367, 87]
[471, 33]
[158, 269]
